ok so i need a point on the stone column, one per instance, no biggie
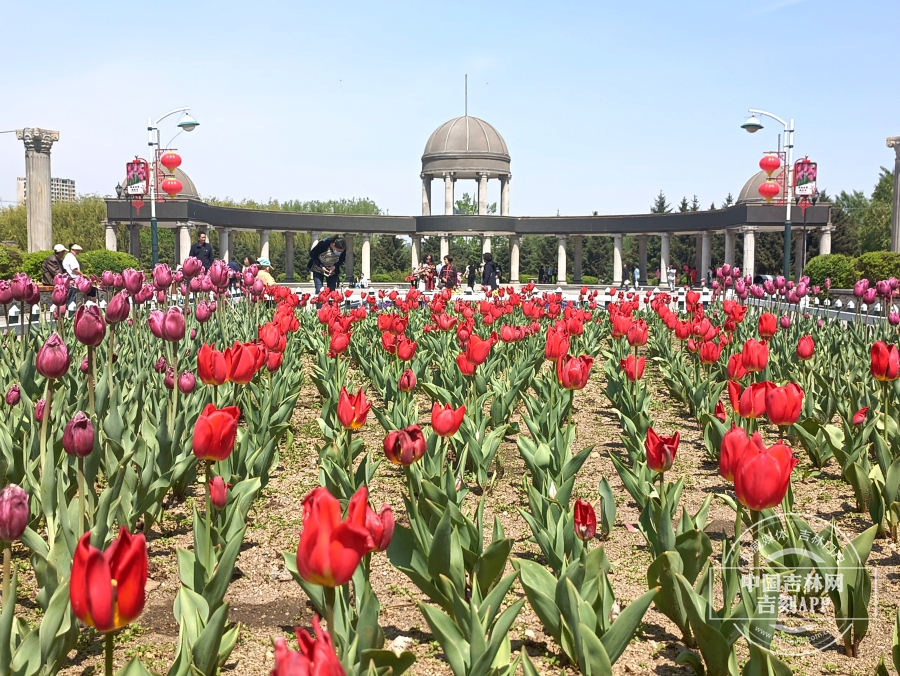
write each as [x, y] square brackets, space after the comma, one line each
[729, 246]
[37, 186]
[825, 239]
[698, 255]
[514, 259]
[110, 227]
[177, 245]
[485, 244]
[426, 195]
[365, 262]
[134, 236]
[579, 256]
[449, 196]
[184, 241]
[749, 249]
[482, 194]
[664, 259]
[894, 142]
[642, 254]
[225, 237]
[263, 243]
[561, 277]
[445, 246]
[617, 259]
[705, 254]
[289, 256]
[416, 250]
[504, 195]
[348, 259]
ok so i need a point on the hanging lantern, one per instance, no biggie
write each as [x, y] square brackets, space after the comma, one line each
[769, 190]
[770, 164]
[170, 161]
[172, 186]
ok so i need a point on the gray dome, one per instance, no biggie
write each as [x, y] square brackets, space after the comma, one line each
[188, 190]
[750, 192]
[466, 146]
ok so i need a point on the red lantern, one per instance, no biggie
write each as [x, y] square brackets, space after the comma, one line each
[770, 164]
[172, 186]
[769, 190]
[170, 161]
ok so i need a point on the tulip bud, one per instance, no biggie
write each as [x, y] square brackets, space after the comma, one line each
[85, 367]
[5, 292]
[202, 312]
[78, 436]
[53, 357]
[108, 278]
[186, 382]
[14, 512]
[84, 284]
[551, 492]
[162, 277]
[13, 396]
[118, 308]
[88, 326]
[169, 380]
[193, 334]
[39, 410]
[160, 366]
[60, 295]
[192, 266]
[407, 381]
[218, 492]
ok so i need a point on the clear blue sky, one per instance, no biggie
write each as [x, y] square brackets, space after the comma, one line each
[601, 104]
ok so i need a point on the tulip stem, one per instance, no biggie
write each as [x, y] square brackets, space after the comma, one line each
[209, 510]
[91, 380]
[110, 647]
[110, 347]
[884, 393]
[329, 609]
[48, 393]
[80, 497]
[7, 563]
[738, 522]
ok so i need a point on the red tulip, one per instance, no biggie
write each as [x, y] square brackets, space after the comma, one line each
[406, 348]
[272, 337]
[329, 549]
[211, 366]
[660, 450]
[389, 342]
[753, 400]
[585, 520]
[573, 372]
[273, 361]
[406, 446]
[783, 404]
[768, 325]
[243, 361]
[621, 324]
[885, 362]
[445, 322]
[755, 355]
[106, 589]
[634, 368]
[78, 436]
[88, 325]
[719, 413]
[733, 443]
[466, 367]
[218, 492]
[215, 432]
[352, 410]
[316, 656]
[805, 348]
[860, 416]
[340, 341]
[446, 421]
[380, 526]
[710, 352]
[762, 475]
[637, 334]
[478, 350]
[683, 330]
[736, 370]
[407, 382]
[53, 359]
[557, 343]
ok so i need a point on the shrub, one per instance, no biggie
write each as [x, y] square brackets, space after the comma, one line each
[878, 265]
[10, 261]
[31, 264]
[96, 262]
[280, 277]
[837, 267]
[382, 278]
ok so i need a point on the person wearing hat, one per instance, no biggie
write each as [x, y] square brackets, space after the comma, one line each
[53, 265]
[265, 265]
[70, 262]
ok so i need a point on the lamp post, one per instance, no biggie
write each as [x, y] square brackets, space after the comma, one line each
[753, 125]
[187, 123]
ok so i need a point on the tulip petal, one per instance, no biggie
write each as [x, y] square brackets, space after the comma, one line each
[100, 598]
[129, 570]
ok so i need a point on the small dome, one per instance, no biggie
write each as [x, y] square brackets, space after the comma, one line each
[188, 190]
[466, 147]
[750, 192]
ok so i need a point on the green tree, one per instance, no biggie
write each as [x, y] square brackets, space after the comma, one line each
[729, 200]
[683, 206]
[390, 254]
[660, 206]
[468, 205]
[695, 204]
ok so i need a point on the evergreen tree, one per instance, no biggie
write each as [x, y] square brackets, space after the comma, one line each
[660, 206]
[695, 204]
[683, 206]
[728, 201]
[468, 205]
[390, 254]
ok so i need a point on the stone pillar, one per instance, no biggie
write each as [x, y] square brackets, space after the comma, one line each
[482, 194]
[263, 243]
[485, 244]
[184, 241]
[825, 239]
[37, 186]
[110, 228]
[416, 250]
[426, 195]
[348, 259]
[449, 196]
[225, 238]
[177, 245]
[642, 254]
[664, 259]
[504, 195]
[289, 256]
[698, 255]
[365, 262]
[617, 259]
[894, 142]
[749, 249]
[134, 236]
[579, 255]
[514, 259]
[561, 277]
[445, 246]
[729, 246]
[705, 254]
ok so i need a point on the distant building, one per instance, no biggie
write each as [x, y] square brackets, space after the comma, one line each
[61, 190]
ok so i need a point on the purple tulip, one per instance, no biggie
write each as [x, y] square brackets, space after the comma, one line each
[860, 288]
[792, 297]
[715, 285]
[5, 293]
[869, 296]
[145, 294]
[32, 294]
[779, 282]
[118, 308]
[60, 295]
[161, 297]
[108, 278]
[169, 380]
[203, 312]
[78, 436]
[186, 382]
[162, 277]
[194, 285]
[206, 284]
[785, 322]
[827, 283]
[769, 286]
[743, 294]
[155, 322]
[720, 272]
[249, 277]
[84, 284]
[13, 395]
[14, 512]
[179, 277]
[133, 280]
[894, 318]
[173, 325]
[53, 357]
[757, 291]
[726, 270]
[183, 288]
[84, 365]
[802, 289]
[894, 282]
[192, 267]
[88, 326]
[816, 290]
[160, 366]
[258, 287]
[219, 273]
[39, 407]
[17, 286]
[883, 287]
[193, 334]
[119, 281]
[820, 323]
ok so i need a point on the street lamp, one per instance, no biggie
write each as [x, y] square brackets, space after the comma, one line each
[753, 125]
[187, 123]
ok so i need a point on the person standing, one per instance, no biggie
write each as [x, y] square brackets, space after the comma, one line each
[53, 265]
[637, 276]
[325, 261]
[202, 250]
[448, 273]
[489, 272]
[471, 273]
[670, 276]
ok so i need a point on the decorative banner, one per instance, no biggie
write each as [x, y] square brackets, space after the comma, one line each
[137, 204]
[805, 173]
[137, 175]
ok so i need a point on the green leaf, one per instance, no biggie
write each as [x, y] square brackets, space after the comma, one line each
[619, 635]
[205, 651]
[453, 643]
